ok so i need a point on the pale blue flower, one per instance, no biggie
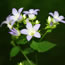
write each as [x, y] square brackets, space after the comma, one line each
[16, 15]
[56, 17]
[14, 32]
[8, 21]
[31, 31]
[32, 11]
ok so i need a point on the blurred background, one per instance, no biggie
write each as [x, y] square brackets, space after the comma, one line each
[55, 56]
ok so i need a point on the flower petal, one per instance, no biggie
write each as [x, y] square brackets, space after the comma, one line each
[36, 27]
[61, 17]
[56, 14]
[8, 18]
[62, 21]
[20, 17]
[14, 11]
[13, 33]
[13, 30]
[28, 25]
[4, 22]
[26, 12]
[12, 23]
[51, 14]
[31, 11]
[37, 10]
[37, 34]
[24, 31]
[29, 37]
[20, 10]
[12, 17]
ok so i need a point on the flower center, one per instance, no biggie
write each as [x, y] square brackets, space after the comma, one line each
[16, 17]
[31, 32]
[56, 17]
[31, 16]
[51, 24]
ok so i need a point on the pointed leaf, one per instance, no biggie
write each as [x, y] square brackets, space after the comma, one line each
[42, 46]
[14, 51]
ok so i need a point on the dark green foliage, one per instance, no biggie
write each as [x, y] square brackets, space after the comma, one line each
[42, 46]
[14, 51]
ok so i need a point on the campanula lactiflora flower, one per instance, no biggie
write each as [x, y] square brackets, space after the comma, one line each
[14, 32]
[56, 16]
[31, 13]
[16, 15]
[8, 21]
[31, 31]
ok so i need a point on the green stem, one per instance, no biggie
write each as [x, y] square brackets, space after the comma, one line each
[26, 58]
[22, 53]
[43, 35]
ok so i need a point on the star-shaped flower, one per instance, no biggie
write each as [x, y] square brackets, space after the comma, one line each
[31, 13]
[16, 15]
[14, 32]
[56, 16]
[31, 31]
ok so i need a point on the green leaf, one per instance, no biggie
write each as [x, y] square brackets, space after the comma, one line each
[27, 51]
[42, 46]
[14, 51]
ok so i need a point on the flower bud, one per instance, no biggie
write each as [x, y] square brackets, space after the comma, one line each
[24, 16]
[37, 22]
[20, 63]
[49, 19]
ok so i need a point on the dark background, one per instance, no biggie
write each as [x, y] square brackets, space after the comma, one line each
[55, 56]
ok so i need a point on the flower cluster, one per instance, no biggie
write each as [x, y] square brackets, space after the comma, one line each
[32, 25]
[54, 20]
[28, 18]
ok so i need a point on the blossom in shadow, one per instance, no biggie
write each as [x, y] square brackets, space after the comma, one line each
[14, 32]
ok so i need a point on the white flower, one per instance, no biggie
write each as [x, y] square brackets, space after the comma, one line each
[56, 17]
[16, 15]
[8, 21]
[31, 13]
[14, 32]
[31, 31]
